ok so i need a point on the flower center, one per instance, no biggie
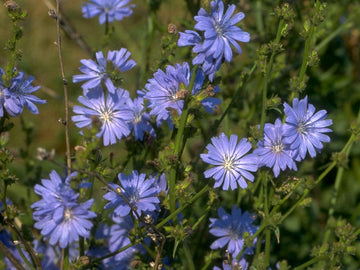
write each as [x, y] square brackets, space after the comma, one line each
[228, 163]
[219, 29]
[67, 214]
[277, 148]
[106, 116]
[301, 128]
[137, 118]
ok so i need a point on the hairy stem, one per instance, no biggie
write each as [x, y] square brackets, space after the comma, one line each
[65, 83]
[179, 143]
[266, 76]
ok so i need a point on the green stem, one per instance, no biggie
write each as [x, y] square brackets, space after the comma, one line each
[346, 149]
[308, 44]
[259, 19]
[109, 255]
[64, 263]
[312, 261]
[81, 246]
[337, 185]
[10, 256]
[342, 28]
[181, 208]
[266, 76]
[189, 259]
[264, 224]
[179, 142]
[234, 100]
[267, 230]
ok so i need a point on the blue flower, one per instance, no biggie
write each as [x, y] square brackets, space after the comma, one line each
[220, 32]
[19, 95]
[140, 193]
[232, 166]
[95, 73]
[230, 230]
[305, 128]
[108, 10]
[58, 215]
[273, 151]
[140, 121]
[112, 112]
[167, 91]
[164, 91]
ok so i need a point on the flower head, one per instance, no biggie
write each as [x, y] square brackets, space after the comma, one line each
[167, 91]
[164, 91]
[58, 215]
[139, 192]
[107, 10]
[96, 72]
[231, 164]
[305, 128]
[19, 95]
[220, 32]
[273, 152]
[112, 112]
[230, 229]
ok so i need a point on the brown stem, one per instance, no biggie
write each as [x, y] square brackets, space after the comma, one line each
[65, 83]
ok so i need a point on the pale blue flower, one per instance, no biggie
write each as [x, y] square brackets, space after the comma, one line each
[231, 164]
[140, 192]
[230, 229]
[273, 151]
[107, 10]
[96, 72]
[304, 128]
[111, 111]
[58, 214]
[19, 94]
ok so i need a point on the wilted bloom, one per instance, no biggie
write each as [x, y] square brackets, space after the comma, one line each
[139, 192]
[140, 121]
[95, 73]
[107, 10]
[58, 215]
[230, 229]
[305, 128]
[111, 111]
[231, 164]
[19, 95]
[273, 152]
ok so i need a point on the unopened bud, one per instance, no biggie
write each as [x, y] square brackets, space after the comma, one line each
[11, 5]
[171, 28]
[52, 13]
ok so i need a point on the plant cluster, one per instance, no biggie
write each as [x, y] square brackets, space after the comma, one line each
[206, 174]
